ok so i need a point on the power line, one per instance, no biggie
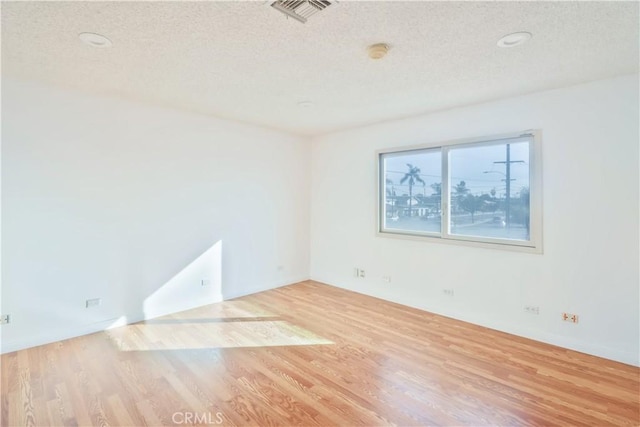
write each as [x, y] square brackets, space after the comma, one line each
[507, 164]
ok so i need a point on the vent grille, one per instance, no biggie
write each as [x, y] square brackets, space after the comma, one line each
[300, 10]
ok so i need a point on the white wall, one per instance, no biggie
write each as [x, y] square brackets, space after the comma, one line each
[590, 232]
[135, 205]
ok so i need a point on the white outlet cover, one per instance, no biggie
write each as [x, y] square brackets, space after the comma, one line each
[95, 302]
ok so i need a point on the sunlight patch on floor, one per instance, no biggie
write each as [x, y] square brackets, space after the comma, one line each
[181, 334]
[229, 310]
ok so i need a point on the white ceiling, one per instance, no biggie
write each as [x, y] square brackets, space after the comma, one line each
[248, 62]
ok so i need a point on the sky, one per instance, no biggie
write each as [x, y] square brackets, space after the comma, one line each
[467, 163]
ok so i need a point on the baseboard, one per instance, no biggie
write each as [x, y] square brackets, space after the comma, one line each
[29, 342]
[626, 357]
[152, 313]
[562, 341]
[92, 328]
[227, 295]
[34, 341]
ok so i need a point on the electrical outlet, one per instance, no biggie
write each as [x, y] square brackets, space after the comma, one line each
[386, 279]
[95, 302]
[205, 282]
[532, 309]
[4, 319]
[359, 273]
[362, 274]
[448, 292]
[569, 317]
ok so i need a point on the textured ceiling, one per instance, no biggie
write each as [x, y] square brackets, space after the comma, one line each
[246, 61]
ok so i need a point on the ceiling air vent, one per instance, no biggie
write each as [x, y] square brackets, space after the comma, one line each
[300, 10]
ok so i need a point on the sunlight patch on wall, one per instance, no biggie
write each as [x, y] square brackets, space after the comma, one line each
[197, 284]
[118, 322]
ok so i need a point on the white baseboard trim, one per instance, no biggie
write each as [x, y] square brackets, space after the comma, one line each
[164, 311]
[78, 331]
[38, 340]
[627, 357]
[231, 294]
[569, 343]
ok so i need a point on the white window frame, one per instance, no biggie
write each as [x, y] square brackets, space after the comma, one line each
[533, 245]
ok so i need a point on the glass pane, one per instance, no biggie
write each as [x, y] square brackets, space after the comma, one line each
[411, 191]
[489, 191]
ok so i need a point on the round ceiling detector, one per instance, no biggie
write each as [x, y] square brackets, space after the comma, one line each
[94, 40]
[514, 39]
[378, 50]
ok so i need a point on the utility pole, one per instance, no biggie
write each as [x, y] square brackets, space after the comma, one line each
[507, 163]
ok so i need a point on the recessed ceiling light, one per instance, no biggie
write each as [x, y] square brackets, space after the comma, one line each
[94, 40]
[378, 50]
[305, 104]
[515, 39]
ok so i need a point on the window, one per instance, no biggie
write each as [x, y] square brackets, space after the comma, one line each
[485, 191]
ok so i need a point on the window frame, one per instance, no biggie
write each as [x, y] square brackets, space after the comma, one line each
[533, 245]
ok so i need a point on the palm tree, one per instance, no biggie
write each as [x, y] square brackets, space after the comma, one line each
[391, 194]
[413, 176]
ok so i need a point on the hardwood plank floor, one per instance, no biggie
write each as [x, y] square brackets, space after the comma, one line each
[312, 355]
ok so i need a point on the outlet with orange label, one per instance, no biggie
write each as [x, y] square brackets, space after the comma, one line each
[568, 317]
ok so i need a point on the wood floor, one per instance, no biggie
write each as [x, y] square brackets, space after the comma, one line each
[312, 355]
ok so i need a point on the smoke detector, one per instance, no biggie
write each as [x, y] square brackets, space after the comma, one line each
[301, 10]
